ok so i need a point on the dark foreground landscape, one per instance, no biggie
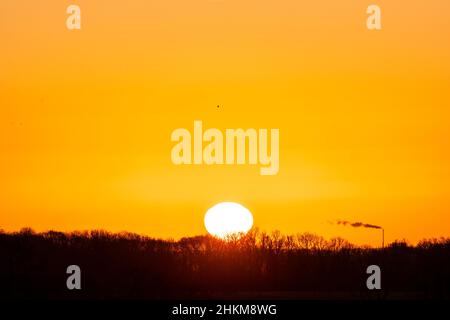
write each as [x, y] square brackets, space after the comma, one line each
[256, 266]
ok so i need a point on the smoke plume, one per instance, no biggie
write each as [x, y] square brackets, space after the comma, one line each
[358, 224]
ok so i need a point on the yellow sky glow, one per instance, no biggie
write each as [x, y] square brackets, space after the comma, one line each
[364, 118]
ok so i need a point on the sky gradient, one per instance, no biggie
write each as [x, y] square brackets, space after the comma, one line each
[364, 116]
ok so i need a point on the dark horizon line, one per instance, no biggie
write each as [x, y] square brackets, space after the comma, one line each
[255, 231]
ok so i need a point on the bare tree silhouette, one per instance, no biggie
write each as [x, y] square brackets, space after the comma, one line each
[127, 265]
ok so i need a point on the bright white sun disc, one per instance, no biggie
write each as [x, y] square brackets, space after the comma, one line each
[228, 218]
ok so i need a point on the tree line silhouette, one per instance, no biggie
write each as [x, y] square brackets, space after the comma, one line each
[256, 265]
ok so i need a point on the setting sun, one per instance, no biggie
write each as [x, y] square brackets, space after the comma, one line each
[227, 218]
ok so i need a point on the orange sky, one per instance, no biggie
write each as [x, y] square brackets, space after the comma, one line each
[364, 116]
